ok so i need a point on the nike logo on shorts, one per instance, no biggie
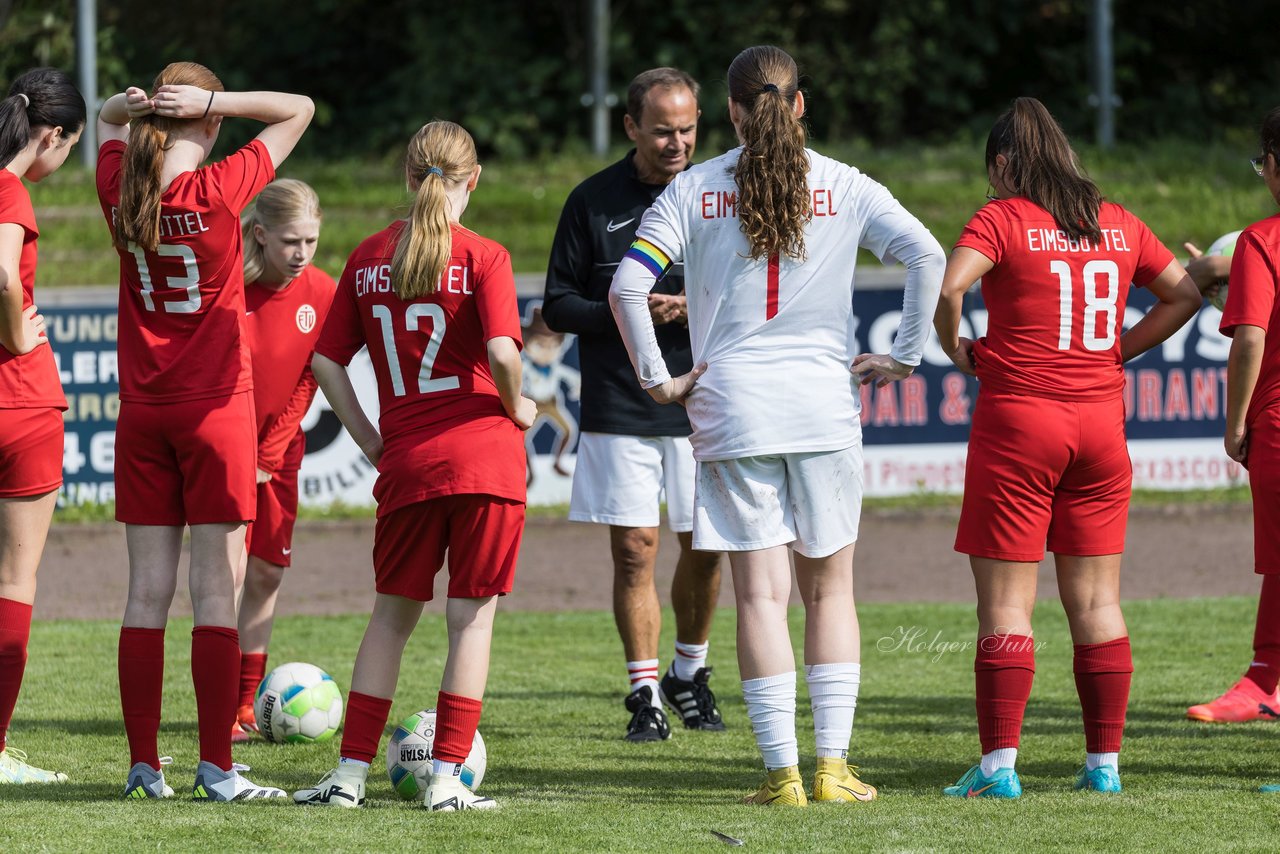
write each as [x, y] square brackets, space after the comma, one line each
[614, 226]
[286, 551]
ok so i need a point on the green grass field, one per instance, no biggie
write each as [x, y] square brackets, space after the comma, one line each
[567, 782]
[1183, 191]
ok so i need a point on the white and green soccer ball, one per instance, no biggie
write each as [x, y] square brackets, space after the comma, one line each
[409, 756]
[1224, 245]
[298, 703]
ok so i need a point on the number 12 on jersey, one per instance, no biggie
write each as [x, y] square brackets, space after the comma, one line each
[1095, 304]
[426, 383]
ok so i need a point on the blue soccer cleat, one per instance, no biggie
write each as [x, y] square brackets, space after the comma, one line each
[1004, 783]
[1104, 778]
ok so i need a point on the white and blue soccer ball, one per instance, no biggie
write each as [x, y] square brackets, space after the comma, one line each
[298, 703]
[1224, 245]
[409, 756]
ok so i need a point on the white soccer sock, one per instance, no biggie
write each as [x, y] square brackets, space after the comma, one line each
[1004, 757]
[771, 706]
[348, 766]
[449, 769]
[833, 696]
[688, 660]
[642, 673]
[1094, 760]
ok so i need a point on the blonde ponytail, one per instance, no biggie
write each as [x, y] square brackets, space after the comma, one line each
[138, 212]
[440, 155]
[281, 202]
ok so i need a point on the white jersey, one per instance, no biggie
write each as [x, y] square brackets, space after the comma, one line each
[778, 336]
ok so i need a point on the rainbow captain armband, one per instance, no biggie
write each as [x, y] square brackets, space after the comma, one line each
[653, 258]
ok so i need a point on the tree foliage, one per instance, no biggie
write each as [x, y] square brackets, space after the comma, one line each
[514, 71]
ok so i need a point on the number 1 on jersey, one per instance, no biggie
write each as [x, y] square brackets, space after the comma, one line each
[771, 289]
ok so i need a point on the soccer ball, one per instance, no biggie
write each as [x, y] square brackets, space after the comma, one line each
[409, 756]
[298, 703]
[1224, 245]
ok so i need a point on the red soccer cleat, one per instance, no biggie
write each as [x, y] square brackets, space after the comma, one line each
[1244, 701]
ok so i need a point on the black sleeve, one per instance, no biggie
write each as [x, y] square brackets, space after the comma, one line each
[565, 303]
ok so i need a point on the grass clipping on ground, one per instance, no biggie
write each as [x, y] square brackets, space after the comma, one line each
[566, 780]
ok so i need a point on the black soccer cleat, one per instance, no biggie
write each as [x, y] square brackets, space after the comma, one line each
[648, 721]
[692, 701]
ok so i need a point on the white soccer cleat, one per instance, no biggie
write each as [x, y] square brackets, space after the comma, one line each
[446, 793]
[14, 770]
[146, 782]
[341, 787]
[214, 784]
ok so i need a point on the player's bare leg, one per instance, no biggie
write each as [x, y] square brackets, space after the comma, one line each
[695, 590]
[833, 670]
[216, 551]
[639, 618]
[1004, 667]
[24, 526]
[762, 585]
[154, 551]
[1090, 592]
[470, 622]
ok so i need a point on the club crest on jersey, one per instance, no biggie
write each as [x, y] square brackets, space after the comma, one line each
[306, 318]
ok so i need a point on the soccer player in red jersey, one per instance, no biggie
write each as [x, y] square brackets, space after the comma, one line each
[436, 306]
[1047, 453]
[1253, 433]
[286, 301]
[185, 439]
[40, 120]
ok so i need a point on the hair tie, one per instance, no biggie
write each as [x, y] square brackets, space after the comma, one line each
[768, 87]
[26, 102]
[436, 170]
[208, 105]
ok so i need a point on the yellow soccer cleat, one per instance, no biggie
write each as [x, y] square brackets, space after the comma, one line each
[838, 781]
[14, 770]
[782, 788]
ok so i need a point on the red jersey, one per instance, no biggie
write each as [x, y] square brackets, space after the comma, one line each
[182, 321]
[1056, 304]
[1251, 301]
[30, 381]
[284, 325]
[443, 426]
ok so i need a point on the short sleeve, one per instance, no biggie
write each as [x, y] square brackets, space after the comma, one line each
[1153, 256]
[15, 206]
[110, 165]
[985, 232]
[1252, 292]
[343, 334]
[496, 299]
[242, 176]
[663, 223]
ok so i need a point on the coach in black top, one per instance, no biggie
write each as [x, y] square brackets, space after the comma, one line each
[632, 450]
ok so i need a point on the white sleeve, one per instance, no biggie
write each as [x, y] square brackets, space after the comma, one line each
[893, 234]
[659, 244]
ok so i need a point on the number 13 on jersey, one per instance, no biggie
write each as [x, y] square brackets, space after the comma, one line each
[1101, 281]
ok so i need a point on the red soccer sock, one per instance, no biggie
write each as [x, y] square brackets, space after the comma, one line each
[215, 670]
[457, 719]
[141, 665]
[362, 729]
[1103, 673]
[253, 667]
[1265, 669]
[1003, 671]
[15, 631]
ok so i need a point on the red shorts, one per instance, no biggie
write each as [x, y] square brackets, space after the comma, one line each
[187, 463]
[30, 451]
[270, 534]
[480, 532]
[1264, 484]
[1043, 470]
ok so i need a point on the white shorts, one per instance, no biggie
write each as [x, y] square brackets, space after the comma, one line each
[812, 501]
[621, 480]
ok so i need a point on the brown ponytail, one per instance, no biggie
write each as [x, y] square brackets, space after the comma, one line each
[774, 203]
[1043, 167]
[440, 154]
[138, 213]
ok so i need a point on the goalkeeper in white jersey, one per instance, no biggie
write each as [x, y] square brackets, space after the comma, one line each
[768, 234]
